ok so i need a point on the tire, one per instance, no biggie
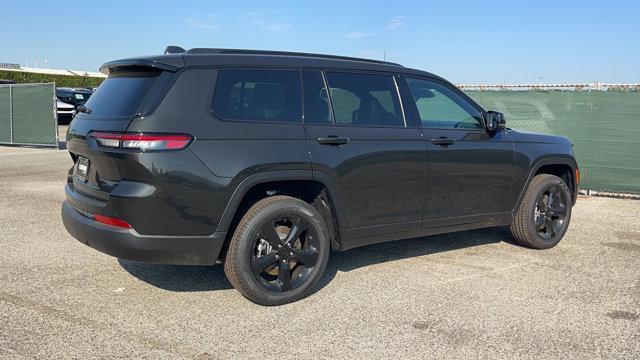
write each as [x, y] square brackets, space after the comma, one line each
[544, 214]
[265, 248]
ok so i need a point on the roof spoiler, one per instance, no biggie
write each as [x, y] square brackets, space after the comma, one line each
[111, 66]
[172, 62]
[172, 49]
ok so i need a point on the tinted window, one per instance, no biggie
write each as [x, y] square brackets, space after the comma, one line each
[258, 95]
[441, 107]
[121, 93]
[316, 100]
[63, 93]
[364, 99]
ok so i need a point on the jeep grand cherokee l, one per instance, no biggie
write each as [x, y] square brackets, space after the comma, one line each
[268, 160]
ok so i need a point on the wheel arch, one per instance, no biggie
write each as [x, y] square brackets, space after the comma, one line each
[296, 183]
[561, 166]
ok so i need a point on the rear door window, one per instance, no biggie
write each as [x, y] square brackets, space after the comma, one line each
[121, 93]
[360, 99]
[258, 95]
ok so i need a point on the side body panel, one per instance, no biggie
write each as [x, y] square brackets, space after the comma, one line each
[379, 179]
[471, 179]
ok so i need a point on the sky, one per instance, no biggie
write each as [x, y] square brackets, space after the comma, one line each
[467, 42]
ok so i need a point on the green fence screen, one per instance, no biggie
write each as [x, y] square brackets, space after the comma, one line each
[603, 125]
[27, 115]
[5, 114]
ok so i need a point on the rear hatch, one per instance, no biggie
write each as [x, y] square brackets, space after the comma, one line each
[128, 92]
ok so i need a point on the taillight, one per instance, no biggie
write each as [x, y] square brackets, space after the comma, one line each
[142, 141]
[577, 176]
[108, 220]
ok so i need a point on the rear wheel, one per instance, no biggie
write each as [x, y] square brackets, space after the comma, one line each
[544, 214]
[278, 251]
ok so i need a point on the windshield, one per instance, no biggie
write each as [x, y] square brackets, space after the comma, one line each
[73, 97]
[121, 93]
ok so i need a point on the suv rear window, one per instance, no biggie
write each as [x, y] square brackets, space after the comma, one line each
[258, 95]
[121, 93]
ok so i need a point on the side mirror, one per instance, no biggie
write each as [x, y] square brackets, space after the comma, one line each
[494, 121]
[84, 109]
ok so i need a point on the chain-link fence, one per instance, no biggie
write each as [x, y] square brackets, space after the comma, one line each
[603, 125]
[28, 115]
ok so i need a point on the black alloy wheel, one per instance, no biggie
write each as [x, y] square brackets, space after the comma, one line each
[544, 214]
[278, 251]
[285, 253]
[550, 213]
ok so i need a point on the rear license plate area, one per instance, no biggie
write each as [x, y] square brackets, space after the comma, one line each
[82, 168]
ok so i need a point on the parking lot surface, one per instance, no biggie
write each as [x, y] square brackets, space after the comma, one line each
[471, 294]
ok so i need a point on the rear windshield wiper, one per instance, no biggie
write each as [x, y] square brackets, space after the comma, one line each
[84, 109]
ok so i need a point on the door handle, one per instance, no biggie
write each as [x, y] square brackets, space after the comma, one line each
[442, 141]
[333, 140]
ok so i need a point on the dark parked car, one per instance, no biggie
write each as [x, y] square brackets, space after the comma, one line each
[268, 160]
[75, 97]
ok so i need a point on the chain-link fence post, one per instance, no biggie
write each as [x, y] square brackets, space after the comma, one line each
[56, 128]
[10, 115]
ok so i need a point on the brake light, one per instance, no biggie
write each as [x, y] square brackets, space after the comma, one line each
[142, 141]
[108, 220]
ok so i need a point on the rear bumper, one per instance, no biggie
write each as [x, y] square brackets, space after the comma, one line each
[128, 244]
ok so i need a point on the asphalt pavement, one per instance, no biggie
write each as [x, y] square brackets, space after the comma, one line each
[470, 294]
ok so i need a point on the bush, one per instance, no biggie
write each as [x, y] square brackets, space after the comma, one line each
[75, 81]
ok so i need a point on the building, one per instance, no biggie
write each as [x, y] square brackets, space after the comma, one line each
[17, 67]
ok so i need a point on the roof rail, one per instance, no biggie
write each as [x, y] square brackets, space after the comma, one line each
[207, 51]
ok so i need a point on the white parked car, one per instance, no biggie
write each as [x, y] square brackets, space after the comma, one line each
[65, 112]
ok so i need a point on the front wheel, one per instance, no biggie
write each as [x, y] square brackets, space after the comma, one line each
[544, 214]
[278, 251]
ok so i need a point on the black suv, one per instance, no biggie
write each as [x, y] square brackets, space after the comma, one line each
[268, 160]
